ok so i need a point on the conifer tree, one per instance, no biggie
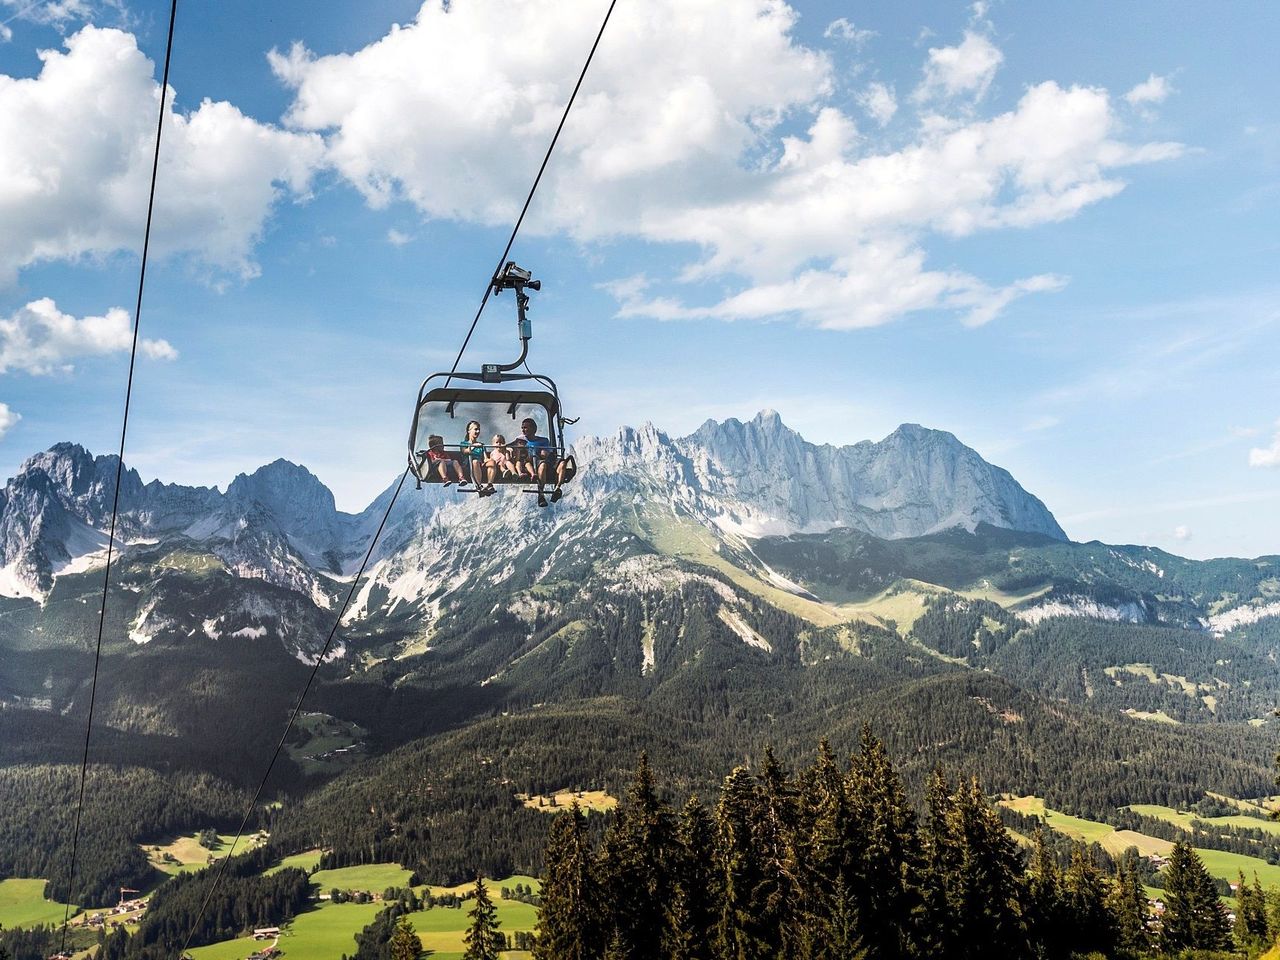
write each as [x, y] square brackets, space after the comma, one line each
[1252, 928]
[569, 919]
[885, 881]
[1092, 927]
[826, 844]
[405, 944]
[1129, 908]
[1045, 908]
[974, 877]
[483, 938]
[1194, 918]
[741, 933]
[778, 895]
[637, 868]
[696, 896]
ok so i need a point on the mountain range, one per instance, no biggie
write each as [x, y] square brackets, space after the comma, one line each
[697, 597]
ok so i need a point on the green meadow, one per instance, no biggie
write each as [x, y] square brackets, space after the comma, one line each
[22, 904]
[307, 861]
[328, 930]
[373, 877]
[325, 933]
[1219, 863]
[1185, 819]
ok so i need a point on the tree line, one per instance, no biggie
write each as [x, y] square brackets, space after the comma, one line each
[834, 862]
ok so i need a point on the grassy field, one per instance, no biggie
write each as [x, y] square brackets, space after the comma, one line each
[587, 799]
[440, 929]
[307, 861]
[325, 933]
[188, 855]
[374, 877]
[1158, 716]
[1229, 865]
[325, 744]
[1185, 819]
[22, 904]
[329, 930]
[1219, 863]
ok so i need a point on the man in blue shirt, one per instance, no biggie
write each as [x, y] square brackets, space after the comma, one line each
[543, 456]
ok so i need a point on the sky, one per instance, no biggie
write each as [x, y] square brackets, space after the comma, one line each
[1047, 229]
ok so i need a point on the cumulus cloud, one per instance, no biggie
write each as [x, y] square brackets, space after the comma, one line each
[398, 238]
[678, 137]
[41, 339]
[1267, 456]
[8, 418]
[1152, 90]
[844, 29]
[1182, 532]
[879, 102]
[76, 144]
[963, 70]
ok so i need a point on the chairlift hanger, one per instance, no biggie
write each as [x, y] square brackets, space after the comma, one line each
[484, 398]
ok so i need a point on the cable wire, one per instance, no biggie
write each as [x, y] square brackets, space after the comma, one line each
[373, 542]
[115, 500]
[532, 190]
[222, 868]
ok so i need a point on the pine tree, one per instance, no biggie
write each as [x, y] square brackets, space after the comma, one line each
[1252, 928]
[696, 895]
[1129, 908]
[827, 842]
[778, 896]
[1194, 918]
[741, 933]
[974, 877]
[1045, 907]
[1092, 926]
[637, 867]
[885, 882]
[484, 939]
[405, 944]
[569, 919]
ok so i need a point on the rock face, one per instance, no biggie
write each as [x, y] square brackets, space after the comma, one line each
[761, 478]
[280, 524]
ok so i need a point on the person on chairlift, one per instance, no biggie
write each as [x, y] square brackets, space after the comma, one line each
[442, 461]
[500, 463]
[473, 450]
[543, 457]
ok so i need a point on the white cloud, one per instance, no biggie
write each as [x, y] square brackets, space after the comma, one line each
[1267, 456]
[62, 13]
[676, 139]
[844, 29]
[8, 418]
[964, 70]
[76, 144]
[1152, 90]
[879, 102]
[41, 339]
[1182, 532]
[397, 238]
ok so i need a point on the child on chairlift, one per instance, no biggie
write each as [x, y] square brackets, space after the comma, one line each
[500, 462]
[443, 462]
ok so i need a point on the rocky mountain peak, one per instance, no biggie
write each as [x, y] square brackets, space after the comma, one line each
[286, 489]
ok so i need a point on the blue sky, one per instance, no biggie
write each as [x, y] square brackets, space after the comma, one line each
[1051, 235]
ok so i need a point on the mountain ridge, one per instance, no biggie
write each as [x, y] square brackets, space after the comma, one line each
[747, 479]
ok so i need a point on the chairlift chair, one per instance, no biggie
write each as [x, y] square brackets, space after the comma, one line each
[500, 398]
